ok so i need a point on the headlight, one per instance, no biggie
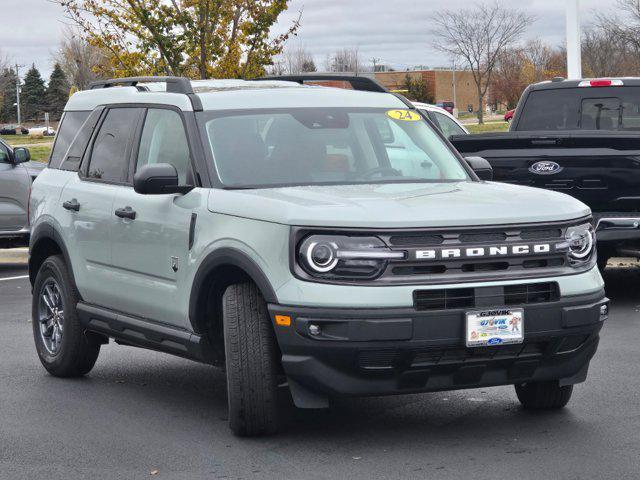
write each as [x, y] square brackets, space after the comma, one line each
[344, 257]
[580, 241]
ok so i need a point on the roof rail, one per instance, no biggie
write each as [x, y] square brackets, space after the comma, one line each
[174, 84]
[366, 84]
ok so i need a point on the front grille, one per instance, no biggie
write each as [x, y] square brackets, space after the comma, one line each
[497, 258]
[509, 295]
[444, 299]
[415, 240]
[390, 359]
[531, 293]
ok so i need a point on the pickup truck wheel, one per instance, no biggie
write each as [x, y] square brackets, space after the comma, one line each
[251, 361]
[543, 395]
[63, 346]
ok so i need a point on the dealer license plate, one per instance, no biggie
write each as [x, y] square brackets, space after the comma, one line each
[498, 326]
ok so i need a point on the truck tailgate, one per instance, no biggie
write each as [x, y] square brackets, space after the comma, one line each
[602, 169]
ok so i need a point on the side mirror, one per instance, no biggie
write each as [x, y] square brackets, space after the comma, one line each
[21, 155]
[158, 179]
[481, 166]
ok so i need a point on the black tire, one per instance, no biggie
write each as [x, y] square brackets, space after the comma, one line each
[251, 361]
[543, 395]
[78, 350]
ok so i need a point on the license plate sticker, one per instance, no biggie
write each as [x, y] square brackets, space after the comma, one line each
[500, 326]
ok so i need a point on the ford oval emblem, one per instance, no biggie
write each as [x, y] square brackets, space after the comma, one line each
[494, 341]
[545, 168]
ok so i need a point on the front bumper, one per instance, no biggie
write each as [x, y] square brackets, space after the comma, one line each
[362, 352]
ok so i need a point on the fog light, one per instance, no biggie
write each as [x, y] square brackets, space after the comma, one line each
[314, 329]
[604, 310]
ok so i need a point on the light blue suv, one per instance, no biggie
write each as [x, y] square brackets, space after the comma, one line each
[326, 239]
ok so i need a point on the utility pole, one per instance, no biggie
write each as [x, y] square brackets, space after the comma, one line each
[18, 93]
[574, 54]
[375, 62]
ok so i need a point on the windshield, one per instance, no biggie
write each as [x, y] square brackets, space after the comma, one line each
[316, 146]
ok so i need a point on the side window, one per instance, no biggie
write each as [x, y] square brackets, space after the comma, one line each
[110, 153]
[79, 144]
[69, 126]
[4, 153]
[164, 141]
[447, 125]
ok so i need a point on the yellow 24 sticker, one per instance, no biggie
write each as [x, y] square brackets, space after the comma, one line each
[404, 115]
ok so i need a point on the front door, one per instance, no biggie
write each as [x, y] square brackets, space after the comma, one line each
[151, 235]
[87, 206]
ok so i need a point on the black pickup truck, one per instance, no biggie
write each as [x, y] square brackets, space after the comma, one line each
[580, 137]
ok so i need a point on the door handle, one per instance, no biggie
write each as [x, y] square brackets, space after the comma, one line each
[126, 212]
[71, 205]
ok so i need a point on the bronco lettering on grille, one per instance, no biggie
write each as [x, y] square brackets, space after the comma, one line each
[479, 252]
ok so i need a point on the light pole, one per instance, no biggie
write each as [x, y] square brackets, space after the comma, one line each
[574, 54]
[455, 101]
[18, 94]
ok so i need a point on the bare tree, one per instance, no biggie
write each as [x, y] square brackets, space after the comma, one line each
[298, 60]
[605, 54]
[345, 60]
[624, 24]
[79, 59]
[478, 35]
[539, 55]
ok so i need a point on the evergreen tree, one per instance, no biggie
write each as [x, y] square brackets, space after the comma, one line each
[57, 92]
[32, 95]
[8, 111]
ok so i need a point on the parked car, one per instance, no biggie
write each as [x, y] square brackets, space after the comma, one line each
[42, 130]
[445, 121]
[17, 173]
[13, 130]
[578, 137]
[268, 227]
[508, 116]
[448, 106]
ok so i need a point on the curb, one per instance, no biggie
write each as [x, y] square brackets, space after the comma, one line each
[14, 255]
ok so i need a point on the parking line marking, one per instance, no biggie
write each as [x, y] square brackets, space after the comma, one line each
[14, 278]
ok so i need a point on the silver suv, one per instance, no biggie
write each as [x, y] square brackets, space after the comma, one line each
[17, 173]
[327, 239]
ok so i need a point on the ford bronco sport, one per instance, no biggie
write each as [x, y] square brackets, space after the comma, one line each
[327, 239]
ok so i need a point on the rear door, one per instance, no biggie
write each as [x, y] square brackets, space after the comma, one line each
[151, 249]
[15, 183]
[87, 203]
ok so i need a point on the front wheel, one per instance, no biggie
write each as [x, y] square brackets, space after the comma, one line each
[251, 361]
[543, 395]
[64, 347]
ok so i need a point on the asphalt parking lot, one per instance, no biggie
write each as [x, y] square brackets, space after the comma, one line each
[142, 414]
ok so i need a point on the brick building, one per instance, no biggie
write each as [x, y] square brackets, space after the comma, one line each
[439, 82]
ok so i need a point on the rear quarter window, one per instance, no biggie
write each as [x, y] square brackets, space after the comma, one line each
[69, 126]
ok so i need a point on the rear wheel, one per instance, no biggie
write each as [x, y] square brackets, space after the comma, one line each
[251, 361]
[63, 346]
[543, 395]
